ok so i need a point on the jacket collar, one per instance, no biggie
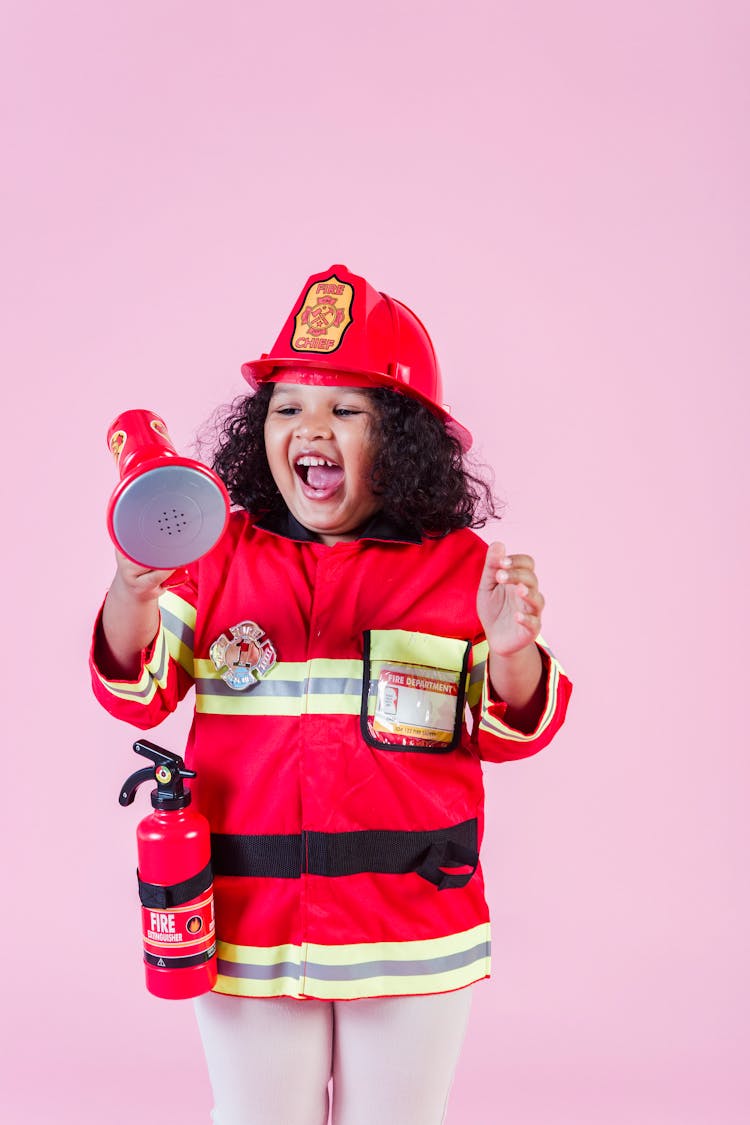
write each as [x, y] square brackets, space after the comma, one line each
[380, 527]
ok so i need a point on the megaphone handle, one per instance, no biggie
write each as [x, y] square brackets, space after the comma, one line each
[175, 579]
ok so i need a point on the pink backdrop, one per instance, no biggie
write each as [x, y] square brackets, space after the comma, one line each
[559, 190]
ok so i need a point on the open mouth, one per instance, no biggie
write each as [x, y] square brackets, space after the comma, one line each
[318, 472]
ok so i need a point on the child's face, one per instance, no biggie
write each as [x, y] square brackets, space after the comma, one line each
[306, 425]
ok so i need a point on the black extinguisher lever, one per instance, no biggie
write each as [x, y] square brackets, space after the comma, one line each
[167, 771]
[128, 791]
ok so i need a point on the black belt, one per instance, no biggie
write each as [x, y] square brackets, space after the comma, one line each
[155, 896]
[434, 855]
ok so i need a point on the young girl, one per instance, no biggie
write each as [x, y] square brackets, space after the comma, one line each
[356, 652]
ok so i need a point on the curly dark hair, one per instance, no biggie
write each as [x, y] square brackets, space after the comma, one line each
[420, 471]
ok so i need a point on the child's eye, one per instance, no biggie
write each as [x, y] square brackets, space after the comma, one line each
[346, 411]
[287, 411]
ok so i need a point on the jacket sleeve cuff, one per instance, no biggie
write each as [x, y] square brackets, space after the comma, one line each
[492, 721]
[152, 672]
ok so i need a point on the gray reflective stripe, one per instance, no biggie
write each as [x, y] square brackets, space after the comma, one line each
[330, 686]
[159, 675]
[131, 693]
[294, 689]
[363, 970]
[429, 967]
[477, 672]
[141, 693]
[259, 972]
[178, 628]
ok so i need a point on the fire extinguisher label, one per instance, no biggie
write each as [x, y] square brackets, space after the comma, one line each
[183, 934]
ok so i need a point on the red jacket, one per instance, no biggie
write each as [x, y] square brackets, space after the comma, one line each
[344, 788]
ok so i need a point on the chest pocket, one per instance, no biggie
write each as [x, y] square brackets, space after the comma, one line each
[413, 690]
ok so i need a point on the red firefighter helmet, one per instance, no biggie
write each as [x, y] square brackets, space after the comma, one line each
[341, 330]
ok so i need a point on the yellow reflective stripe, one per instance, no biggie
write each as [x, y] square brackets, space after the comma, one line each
[417, 648]
[314, 687]
[259, 954]
[240, 704]
[398, 950]
[496, 726]
[158, 665]
[179, 652]
[178, 618]
[291, 688]
[474, 694]
[335, 669]
[154, 675]
[179, 607]
[333, 705]
[297, 671]
[358, 970]
[142, 691]
[356, 953]
[475, 678]
[279, 986]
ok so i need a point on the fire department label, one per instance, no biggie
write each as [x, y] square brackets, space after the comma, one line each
[325, 315]
[416, 704]
[243, 658]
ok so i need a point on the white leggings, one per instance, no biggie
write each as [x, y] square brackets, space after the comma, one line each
[392, 1060]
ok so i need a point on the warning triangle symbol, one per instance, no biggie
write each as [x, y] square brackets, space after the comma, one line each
[161, 963]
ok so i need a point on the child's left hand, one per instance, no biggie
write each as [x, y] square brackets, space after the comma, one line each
[509, 602]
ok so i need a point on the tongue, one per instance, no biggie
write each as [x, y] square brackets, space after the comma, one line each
[324, 476]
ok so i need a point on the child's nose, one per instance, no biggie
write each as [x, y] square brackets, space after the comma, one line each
[311, 426]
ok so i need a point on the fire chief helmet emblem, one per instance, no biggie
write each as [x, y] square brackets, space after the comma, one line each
[324, 317]
[243, 658]
[343, 332]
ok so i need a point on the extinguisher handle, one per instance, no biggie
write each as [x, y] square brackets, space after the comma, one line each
[167, 772]
[128, 791]
[161, 757]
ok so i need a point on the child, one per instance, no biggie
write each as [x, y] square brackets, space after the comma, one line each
[336, 637]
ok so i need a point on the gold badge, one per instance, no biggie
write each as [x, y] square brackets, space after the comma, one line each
[244, 658]
[325, 315]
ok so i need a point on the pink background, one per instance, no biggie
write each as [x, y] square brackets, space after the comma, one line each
[559, 190]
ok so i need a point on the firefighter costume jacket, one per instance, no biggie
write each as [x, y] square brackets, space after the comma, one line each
[342, 783]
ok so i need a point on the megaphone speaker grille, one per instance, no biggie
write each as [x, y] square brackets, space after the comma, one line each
[168, 516]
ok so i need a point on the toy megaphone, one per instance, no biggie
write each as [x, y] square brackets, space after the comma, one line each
[167, 510]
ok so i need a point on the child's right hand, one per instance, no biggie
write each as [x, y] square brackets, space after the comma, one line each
[139, 582]
[130, 618]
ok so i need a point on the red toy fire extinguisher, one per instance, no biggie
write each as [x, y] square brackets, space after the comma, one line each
[175, 881]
